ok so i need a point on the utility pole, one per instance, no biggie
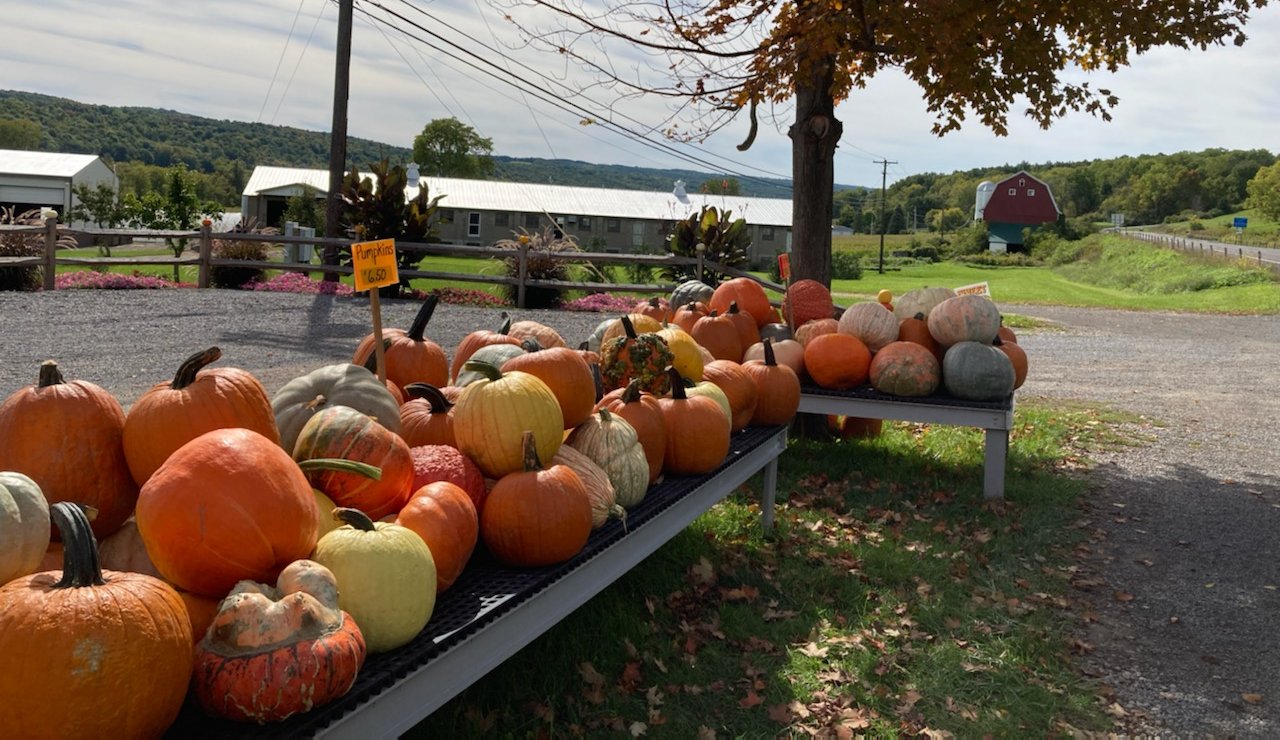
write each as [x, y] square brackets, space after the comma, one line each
[884, 174]
[338, 136]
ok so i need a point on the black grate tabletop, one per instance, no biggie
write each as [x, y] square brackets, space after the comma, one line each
[485, 591]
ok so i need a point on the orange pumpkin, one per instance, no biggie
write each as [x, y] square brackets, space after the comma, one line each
[965, 318]
[113, 648]
[856, 427]
[537, 516]
[643, 412]
[228, 505]
[808, 300]
[426, 418]
[1018, 357]
[749, 296]
[545, 336]
[273, 652]
[787, 352]
[916, 329]
[777, 386]
[656, 308]
[342, 432]
[697, 431]
[687, 315]
[67, 437]
[748, 332]
[738, 388]
[837, 361]
[198, 400]
[719, 336]
[566, 374]
[1005, 333]
[123, 550]
[480, 338]
[409, 356]
[444, 517]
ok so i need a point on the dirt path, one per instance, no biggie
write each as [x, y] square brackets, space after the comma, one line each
[1183, 576]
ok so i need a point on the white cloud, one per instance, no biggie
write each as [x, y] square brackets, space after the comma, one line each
[217, 59]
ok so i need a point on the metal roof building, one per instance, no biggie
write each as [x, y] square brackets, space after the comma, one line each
[32, 180]
[483, 211]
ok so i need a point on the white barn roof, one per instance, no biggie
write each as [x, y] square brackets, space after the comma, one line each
[493, 195]
[43, 164]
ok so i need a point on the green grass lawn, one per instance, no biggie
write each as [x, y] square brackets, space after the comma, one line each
[892, 599]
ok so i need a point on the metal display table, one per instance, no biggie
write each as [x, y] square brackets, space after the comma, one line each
[993, 417]
[492, 610]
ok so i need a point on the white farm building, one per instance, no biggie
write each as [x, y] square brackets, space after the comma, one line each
[35, 180]
[481, 212]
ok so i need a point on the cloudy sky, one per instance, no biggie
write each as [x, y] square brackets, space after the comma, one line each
[273, 61]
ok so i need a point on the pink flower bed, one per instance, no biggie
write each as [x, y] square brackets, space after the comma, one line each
[296, 282]
[113, 281]
[461, 297]
[602, 302]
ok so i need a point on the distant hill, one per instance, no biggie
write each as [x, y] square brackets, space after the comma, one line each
[165, 137]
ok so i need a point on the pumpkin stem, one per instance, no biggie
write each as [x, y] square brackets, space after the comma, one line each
[355, 518]
[434, 396]
[489, 370]
[530, 344]
[598, 380]
[49, 374]
[318, 401]
[584, 346]
[80, 565]
[920, 316]
[187, 371]
[653, 302]
[770, 359]
[628, 327]
[733, 307]
[605, 416]
[617, 512]
[530, 449]
[505, 327]
[419, 324]
[632, 392]
[342, 466]
[371, 363]
[677, 384]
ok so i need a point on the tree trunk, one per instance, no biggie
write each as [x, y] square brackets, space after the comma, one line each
[813, 147]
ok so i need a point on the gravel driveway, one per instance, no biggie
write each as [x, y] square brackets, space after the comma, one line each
[1184, 569]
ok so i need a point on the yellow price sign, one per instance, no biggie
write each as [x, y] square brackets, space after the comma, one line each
[374, 263]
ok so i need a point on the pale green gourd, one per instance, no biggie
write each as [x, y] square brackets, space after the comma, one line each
[24, 526]
[612, 443]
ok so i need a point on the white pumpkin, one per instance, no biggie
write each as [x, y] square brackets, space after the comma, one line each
[24, 526]
[920, 300]
[871, 322]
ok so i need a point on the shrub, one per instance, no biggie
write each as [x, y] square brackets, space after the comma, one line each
[461, 297]
[25, 245]
[845, 266]
[227, 276]
[540, 265]
[725, 240]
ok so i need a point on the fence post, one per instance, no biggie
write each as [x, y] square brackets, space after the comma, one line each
[522, 273]
[50, 251]
[701, 249]
[1259, 258]
[206, 252]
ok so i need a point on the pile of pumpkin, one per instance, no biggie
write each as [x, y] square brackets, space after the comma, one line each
[931, 339]
[253, 549]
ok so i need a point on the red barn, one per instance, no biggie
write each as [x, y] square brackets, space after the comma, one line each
[1015, 203]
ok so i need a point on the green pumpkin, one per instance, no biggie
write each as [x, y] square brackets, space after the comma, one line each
[977, 372]
[612, 443]
[905, 369]
[386, 578]
[24, 526]
[343, 384]
[691, 291]
[644, 357]
[492, 354]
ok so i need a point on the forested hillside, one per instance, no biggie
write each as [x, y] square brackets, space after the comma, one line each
[231, 149]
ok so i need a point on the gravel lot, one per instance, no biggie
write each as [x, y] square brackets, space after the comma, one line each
[1185, 523]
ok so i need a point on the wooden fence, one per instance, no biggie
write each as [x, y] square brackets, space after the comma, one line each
[205, 261]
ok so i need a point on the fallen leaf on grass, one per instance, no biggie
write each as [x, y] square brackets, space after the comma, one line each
[813, 651]
[1252, 698]
[631, 677]
[637, 729]
[750, 700]
[703, 573]
[706, 733]
[782, 714]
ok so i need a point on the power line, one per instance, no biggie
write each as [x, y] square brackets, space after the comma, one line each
[280, 61]
[884, 172]
[540, 93]
[297, 64]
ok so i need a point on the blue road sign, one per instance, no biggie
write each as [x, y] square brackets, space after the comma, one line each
[1240, 222]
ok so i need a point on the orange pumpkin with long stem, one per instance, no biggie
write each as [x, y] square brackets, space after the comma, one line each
[697, 431]
[778, 389]
[409, 356]
[643, 412]
[113, 648]
[198, 399]
[426, 418]
[67, 438]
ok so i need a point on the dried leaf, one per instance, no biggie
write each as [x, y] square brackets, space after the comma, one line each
[750, 700]
[637, 729]
[1252, 698]
[781, 713]
[703, 573]
[706, 733]
[813, 650]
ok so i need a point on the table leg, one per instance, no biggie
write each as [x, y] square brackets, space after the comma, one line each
[996, 453]
[769, 495]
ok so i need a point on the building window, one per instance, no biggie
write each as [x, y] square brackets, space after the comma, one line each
[766, 233]
[612, 225]
[446, 215]
[1031, 192]
[502, 219]
[584, 223]
[1022, 182]
[1013, 191]
[473, 223]
[531, 220]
